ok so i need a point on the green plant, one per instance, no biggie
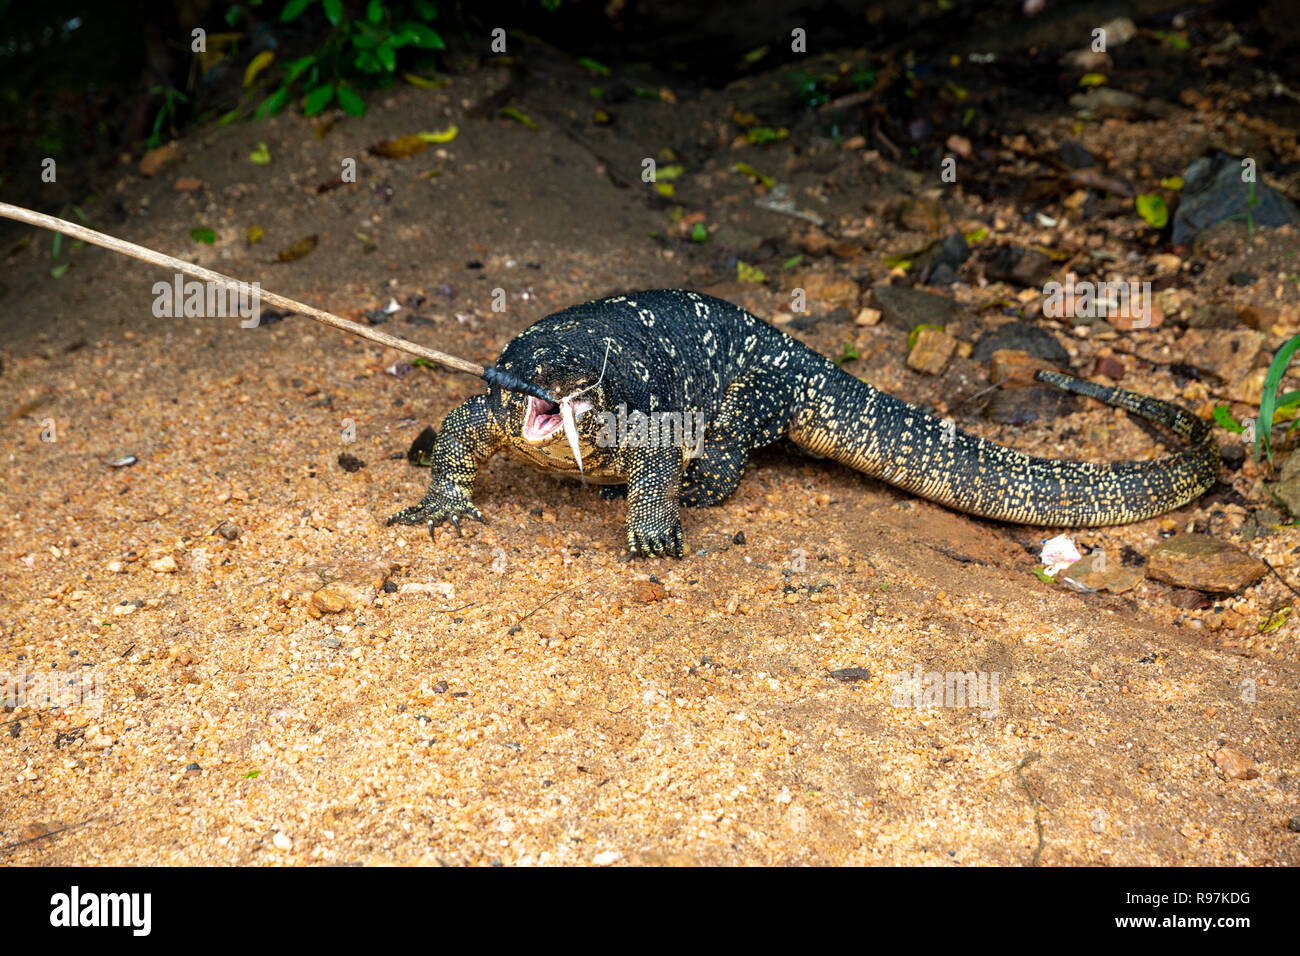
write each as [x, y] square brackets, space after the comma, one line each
[166, 113]
[357, 48]
[1271, 405]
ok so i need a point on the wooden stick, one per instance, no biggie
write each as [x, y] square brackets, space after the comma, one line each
[179, 265]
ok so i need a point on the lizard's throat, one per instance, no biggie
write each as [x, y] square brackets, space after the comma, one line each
[542, 421]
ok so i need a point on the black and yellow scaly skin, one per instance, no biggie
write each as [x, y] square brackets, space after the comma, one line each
[673, 351]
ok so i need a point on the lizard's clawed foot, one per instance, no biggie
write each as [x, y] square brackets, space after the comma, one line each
[659, 542]
[437, 508]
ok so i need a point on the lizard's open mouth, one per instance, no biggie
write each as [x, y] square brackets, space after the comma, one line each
[542, 419]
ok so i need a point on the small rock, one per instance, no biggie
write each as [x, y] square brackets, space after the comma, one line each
[156, 159]
[1110, 366]
[1087, 60]
[1234, 765]
[1074, 155]
[931, 351]
[332, 599]
[867, 316]
[1213, 315]
[906, 308]
[281, 841]
[1119, 31]
[1100, 575]
[1023, 337]
[1261, 317]
[923, 215]
[350, 463]
[164, 565]
[848, 674]
[646, 592]
[1203, 563]
[606, 858]
[187, 184]
[827, 291]
[1107, 101]
[1228, 355]
[1023, 267]
[738, 538]
[1014, 367]
[228, 530]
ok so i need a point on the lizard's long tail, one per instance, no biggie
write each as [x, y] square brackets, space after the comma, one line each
[886, 438]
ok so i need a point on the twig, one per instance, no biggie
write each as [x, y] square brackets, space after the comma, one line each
[46, 836]
[543, 604]
[1034, 801]
[453, 610]
[1278, 575]
[179, 265]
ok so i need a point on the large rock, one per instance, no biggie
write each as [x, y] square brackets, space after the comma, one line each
[1287, 489]
[1213, 192]
[1203, 563]
[906, 308]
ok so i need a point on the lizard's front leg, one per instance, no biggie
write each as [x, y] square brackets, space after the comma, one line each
[654, 485]
[469, 435]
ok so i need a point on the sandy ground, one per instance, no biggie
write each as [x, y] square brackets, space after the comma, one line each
[526, 693]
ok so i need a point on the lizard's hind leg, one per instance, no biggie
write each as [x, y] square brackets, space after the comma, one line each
[754, 413]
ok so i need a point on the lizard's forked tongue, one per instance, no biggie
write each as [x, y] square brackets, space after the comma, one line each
[570, 426]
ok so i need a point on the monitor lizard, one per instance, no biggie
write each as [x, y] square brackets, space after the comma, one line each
[682, 352]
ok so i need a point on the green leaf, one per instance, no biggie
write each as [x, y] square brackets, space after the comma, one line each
[593, 66]
[792, 261]
[749, 170]
[1276, 620]
[294, 68]
[1173, 183]
[351, 103]
[333, 10]
[260, 156]
[1152, 209]
[847, 352]
[514, 114]
[699, 233]
[204, 235]
[425, 10]
[1268, 401]
[747, 273]
[273, 103]
[318, 99]
[976, 235]
[1092, 79]
[1223, 415]
[375, 11]
[670, 172]
[60, 269]
[293, 9]
[425, 37]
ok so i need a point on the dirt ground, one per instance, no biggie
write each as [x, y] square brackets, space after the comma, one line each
[526, 693]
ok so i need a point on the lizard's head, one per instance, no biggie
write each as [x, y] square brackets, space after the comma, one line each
[538, 424]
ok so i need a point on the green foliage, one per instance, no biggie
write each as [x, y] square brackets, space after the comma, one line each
[360, 49]
[1152, 209]
[166, 113]
[1271, 405]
